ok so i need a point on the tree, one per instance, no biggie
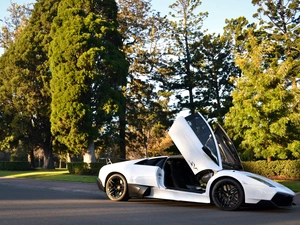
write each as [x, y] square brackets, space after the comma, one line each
[281, 19]
[214, 60]
[265, 115]
[15, 23]
[185, 32]
[88, 71]
[142, 30]
[25, 84]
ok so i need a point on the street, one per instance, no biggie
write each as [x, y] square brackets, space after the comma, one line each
[28, 202]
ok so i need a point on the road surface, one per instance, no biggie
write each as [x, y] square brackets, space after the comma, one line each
[29, 202]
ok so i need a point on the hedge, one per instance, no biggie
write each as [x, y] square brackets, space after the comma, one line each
[82, 168]
[20, 166]
[280, 169]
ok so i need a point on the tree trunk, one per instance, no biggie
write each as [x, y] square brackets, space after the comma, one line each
[32, 162]
[122, 137]
[89, 155]
[48, 154]
[122, 129]
[68, 158]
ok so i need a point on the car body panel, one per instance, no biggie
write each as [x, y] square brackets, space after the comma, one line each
[178, 195]
[191, 147]
[255, 190]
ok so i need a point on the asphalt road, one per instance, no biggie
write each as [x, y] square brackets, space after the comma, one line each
[30, 202]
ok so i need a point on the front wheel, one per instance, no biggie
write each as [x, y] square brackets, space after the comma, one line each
[116, 188]
[227, 194]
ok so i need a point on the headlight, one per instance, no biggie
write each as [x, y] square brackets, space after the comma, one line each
[262, 181]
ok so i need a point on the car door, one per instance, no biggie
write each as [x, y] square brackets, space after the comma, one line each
[147, 172]
[196, 141]
[228, 152]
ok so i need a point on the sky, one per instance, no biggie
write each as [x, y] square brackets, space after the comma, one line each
[218, 10]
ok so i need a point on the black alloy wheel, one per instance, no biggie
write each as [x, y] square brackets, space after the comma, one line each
[116, 188]
[227, 194]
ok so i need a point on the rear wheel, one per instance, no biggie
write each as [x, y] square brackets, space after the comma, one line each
[116, 188]
[227, 194]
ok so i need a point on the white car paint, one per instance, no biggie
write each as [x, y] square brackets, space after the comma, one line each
[152, 178]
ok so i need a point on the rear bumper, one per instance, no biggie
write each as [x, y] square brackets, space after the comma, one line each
[100, 185]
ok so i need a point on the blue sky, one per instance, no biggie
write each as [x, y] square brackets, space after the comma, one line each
[218, 10]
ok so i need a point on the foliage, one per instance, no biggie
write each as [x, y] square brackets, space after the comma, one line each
[17, 165]
[94, 100]
[184, 32]
[82, 168]
[146, 105]
[15, 23]
[279, 169]
[88, 70]
[214, 59]
[25, 85]
[265, 115]
[201, 66]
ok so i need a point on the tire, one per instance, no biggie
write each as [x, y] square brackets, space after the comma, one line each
[228, 194]
[116, 188]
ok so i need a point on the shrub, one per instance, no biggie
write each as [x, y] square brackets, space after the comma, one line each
[285, 169]
[5, 165]
[82, 168]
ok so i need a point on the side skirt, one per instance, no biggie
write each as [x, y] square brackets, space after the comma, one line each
[138, 191]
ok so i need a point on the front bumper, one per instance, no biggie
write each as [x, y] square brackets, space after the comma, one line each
[100, 185]
[283, 200]
[280, 200]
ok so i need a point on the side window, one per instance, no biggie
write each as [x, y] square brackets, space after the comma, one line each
[153, 162]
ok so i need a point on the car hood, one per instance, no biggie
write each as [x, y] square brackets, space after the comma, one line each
[203, 148]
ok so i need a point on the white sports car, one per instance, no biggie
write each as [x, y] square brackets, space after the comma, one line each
[209, 171]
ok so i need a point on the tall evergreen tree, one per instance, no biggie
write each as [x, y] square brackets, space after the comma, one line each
[214, 59]
[142, 29]
[281, 19]
[265, 115]
[88, 71]
[185, 31]
[25, 77]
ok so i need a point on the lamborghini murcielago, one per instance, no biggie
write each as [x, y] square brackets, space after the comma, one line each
[208, 170]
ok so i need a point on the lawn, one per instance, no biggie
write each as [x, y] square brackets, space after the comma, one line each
[291, 184]
[58, 175]
[64, 175]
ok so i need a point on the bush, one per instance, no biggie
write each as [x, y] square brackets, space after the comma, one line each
[20, 166]
[82, 168]
[280, 169]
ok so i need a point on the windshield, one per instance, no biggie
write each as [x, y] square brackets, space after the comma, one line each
[204, 134]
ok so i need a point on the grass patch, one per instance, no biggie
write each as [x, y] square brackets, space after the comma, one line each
[56, 175]
[291, 184]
